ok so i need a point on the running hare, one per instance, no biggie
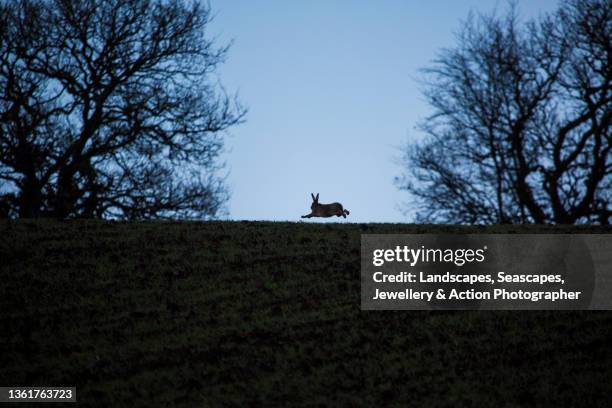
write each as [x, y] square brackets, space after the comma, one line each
[325, 210]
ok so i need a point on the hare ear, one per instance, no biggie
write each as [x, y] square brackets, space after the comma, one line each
[313, 197]
[317, 197]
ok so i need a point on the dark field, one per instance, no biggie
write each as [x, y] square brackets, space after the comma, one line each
[261, 314]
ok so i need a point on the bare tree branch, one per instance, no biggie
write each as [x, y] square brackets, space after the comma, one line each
[521, 125]
[107, 109]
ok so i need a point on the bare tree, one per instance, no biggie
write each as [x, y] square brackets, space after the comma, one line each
[521, 126]
[110, 109]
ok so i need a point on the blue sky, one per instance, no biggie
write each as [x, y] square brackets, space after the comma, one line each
[332, 90]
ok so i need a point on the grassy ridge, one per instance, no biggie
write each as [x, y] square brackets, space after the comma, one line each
[142, 314]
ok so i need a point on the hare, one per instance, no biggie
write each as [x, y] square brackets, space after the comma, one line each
[325, 210]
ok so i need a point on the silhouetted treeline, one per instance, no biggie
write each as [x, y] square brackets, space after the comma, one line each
[521, 126]
[107, 109]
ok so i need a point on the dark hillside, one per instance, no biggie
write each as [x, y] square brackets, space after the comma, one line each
[247, 313]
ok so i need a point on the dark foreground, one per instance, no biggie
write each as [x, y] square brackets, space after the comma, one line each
[260, 314]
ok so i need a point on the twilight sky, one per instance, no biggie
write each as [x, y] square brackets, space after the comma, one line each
[332, 90]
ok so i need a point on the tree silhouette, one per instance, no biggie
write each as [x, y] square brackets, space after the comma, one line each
[521, 126]
[109, 109]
